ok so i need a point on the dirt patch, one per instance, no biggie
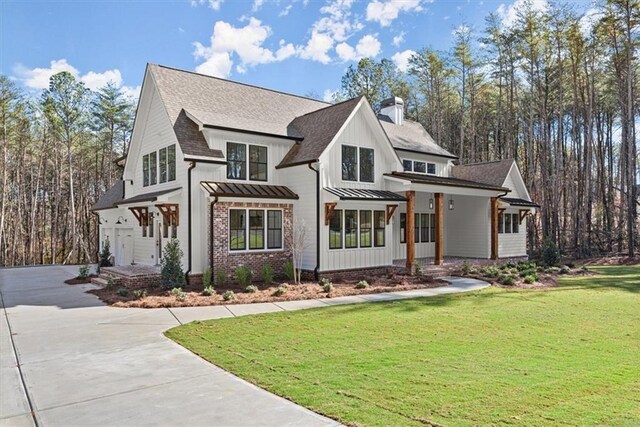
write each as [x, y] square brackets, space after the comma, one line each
[612, 260]
[157, 297]
[80, 280]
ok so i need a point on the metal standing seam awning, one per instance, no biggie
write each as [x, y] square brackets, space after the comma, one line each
[258, 191]
[519, 202]
[365, 194]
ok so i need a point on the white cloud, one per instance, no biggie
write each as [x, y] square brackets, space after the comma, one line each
[399, 39]
[589, 20]
[385, 12]
[95, 81]
[401, 59]
[329, 95]
[245, 42]
[131, 92]
[368, 46]
[257, 4]
[446, 18]
[317, 47]
[509, 14]
[38, 78]
[213, 4]
[286, 10]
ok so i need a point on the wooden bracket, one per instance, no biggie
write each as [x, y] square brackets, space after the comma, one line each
[329, 207]
[390, 210]
[501, 210]
[523, 214]
[170, 213]
[142, 215]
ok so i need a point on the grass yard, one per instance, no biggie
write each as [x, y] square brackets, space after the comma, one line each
[563, 356]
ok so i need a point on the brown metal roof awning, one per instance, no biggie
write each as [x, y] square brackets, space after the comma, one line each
[231, 189]
[148, 197]
[519, 202]
[440, 180]
[364, 194]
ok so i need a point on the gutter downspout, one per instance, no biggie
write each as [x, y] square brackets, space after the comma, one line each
[191, 167]
[215, 200]
[317, 171]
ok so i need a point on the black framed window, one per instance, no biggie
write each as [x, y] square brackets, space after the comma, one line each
[349, 163]
[257, 163]
[237, 229]
[507, 223]
[416, 228]
[500, 223]
[433, 227]
[379, 222]
[367, 167]
[174, 230]
[335, 230]
[165, 229]
[350, 229]
[424, 228]
[153, 168]
[162, 154]
[145, 170]
[420, 167]
[407, 165]
[431, 168]
[171, 163]
[256, 229]
[403, 228]
[365, 229]
[236, 161]
[515, 223]
[274, 229]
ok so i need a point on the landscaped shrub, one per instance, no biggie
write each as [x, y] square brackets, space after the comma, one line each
[289, 271]
[83, 271]
[207, 278]
[123, 292]
[490, 271]
[139, 293]
[111, 280]
[530, 279]
[228, 296]
[528, 272]
[171, 266]
[326, 284]
[179, 294]
[564, 269]
[280, 290]
[252, 289]
[105, 255]
[466, 267]
[243, 275]
[552, 270]
[550, 253]
[208, 291]
[267, 274]
[507, 280]
[362, 284]
[221, 278]
[417, 268]
[323, 281]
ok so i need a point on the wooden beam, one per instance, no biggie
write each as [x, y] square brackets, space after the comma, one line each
[523, 214]
[439, 211]
[411, 225]
[142, 214]
[494, 227]
[329, 207]
[390, 210]
[170, 213]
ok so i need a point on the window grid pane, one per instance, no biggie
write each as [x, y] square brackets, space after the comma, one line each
[365, 229]
[433, 227]
[153, 168]
[163, 165]
[349, 163]
[416, 228]
[236, 161]
[420, 167]
[145, 170]
[431, 168]
[507, 223]
[274, 229]
[237, 225]
[515, 223]
[350, 229]
[500, 223]
[257, 163]
[407, 165]
[335, 230]
[171, 162]
[256, 229]
[379, 221]
[403, 228]
[366, 165]
[424, 228]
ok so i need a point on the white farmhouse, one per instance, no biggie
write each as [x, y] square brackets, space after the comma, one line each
[227, 168]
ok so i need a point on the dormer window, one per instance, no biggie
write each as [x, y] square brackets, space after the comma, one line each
[165, 158]
[239, 155]
[418, 166]
[407, 165]
[357, 164]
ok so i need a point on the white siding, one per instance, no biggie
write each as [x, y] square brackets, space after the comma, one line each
[423, 250]
[468, 227]
[510, 244]
[442, 164]
[302, 181]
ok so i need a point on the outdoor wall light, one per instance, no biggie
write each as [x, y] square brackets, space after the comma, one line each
[430, 203]
[451, 204]
[118, 221]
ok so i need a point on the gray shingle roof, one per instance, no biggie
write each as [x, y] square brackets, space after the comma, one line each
[319, 128]
[111, 197]
[412, 136]
[440, 180]
[259, 191]
[493, 173]
[226, 104]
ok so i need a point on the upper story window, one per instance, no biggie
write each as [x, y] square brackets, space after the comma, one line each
[239, 155]
[357, 164]
[166, 159]
[418, 166]
[407, 165]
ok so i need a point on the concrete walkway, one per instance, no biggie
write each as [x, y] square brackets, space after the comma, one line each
[67, 359]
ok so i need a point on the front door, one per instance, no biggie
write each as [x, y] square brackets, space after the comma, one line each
[124, 246]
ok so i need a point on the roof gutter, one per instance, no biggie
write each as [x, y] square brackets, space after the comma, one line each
[317, 171]
[191, 167]
[253, 132]
[211, 236]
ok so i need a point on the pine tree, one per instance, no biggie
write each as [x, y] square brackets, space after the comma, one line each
[171, 264]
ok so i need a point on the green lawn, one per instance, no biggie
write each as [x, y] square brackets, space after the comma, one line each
[564, 356]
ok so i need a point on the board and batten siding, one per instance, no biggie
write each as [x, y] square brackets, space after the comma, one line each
[513, 244]
[468, 227]
[423, 250]
[442, 164]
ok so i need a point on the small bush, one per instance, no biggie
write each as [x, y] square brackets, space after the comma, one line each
[207, 278]
[280, 290]
[565, 269]
[208, 291]
[530, 279]
[221, 278]
[111, 280]
[105, 255]
[529, 272]
[490, 271]
[252, 289]
[139, 293]
[171, 266]
[507, 280]
[552, 270]
[550, 254]
[228, 296]
[244, 275]
[123, 292]
[324, 281]
[466, 267]
[84, 271]
[362, 284]
[418, 269]
[267, 274]
[584, 269]
[179, 294]
[327, 287]
[289, 271]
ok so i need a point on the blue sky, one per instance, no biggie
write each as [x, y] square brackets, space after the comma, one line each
[295, 46]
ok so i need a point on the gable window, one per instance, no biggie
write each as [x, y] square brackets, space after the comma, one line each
[365, 229]
[236, 161]
[407, 165]
[419, 167]
[153, 168]
[145, 170]
[351, 229]
[431, 168]
[252, 223]
[349, 163]
[257, 163]
[366, 164]
[163, 164]
[171, 162]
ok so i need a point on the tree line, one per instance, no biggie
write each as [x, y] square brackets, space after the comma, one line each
[554, 90]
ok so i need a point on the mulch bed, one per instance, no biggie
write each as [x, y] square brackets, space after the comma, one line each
[158, 297]
[613, 260]
[80, 280]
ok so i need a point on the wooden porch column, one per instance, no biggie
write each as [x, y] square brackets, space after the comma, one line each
[410, 230]
[439, 208]
[494, 228]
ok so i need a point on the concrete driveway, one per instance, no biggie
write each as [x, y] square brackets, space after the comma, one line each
[83, 363]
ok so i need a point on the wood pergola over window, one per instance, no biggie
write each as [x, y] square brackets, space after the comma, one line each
[170, 213]
[142, 215]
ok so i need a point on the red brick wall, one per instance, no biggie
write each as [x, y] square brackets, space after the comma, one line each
[229, 261]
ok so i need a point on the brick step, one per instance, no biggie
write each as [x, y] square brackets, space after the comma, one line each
[99, 281]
